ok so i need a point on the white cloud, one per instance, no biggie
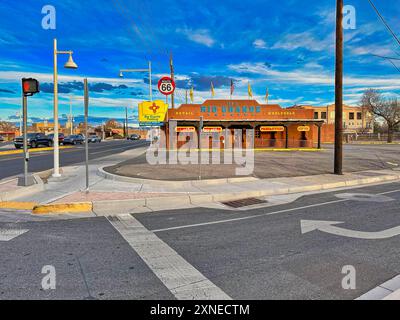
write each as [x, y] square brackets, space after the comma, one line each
[306, 76]
[260, 44]
[201, 36]
[306, 39]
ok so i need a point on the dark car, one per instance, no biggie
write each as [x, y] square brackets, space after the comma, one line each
[74, 139]
[134, 137]
[34, 140]
[60, 138]
[94, 139]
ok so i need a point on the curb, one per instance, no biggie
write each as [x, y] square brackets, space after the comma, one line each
[11, 195]
[182, 183]
[19, 151]
[389, 290]
[77, 207]
[103, 207]
[17, 205]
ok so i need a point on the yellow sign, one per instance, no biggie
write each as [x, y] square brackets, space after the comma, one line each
[272, 129]
[152, 111]
[212, 129]
[185, 129]
[303, 128]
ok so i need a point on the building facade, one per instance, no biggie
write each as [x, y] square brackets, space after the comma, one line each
[355, 119]
[213, 124]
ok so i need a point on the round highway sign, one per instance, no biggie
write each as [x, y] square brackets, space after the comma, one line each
[166, 86]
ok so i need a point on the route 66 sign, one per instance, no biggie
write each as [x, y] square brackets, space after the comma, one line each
[166, 86]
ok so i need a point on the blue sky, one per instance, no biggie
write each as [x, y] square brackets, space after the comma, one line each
[287, 46]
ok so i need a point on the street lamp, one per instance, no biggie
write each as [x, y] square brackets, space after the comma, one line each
[69, 65]
[122, 71]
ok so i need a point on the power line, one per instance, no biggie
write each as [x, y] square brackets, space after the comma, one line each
[384, 22]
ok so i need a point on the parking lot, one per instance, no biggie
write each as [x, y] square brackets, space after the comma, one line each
[271, 164]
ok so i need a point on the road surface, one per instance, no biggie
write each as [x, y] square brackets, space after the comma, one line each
[12, 165]
[248, 254]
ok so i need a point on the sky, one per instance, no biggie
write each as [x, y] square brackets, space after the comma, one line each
[286, 46]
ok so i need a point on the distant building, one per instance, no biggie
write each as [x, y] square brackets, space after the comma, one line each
[355, 119]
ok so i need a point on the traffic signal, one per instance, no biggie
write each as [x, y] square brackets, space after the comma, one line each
[30, 86]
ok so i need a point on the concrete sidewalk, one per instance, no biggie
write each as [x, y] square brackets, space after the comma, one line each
[114, 194]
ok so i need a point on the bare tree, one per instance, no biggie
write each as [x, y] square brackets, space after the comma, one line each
[6, 126]
[387, 109]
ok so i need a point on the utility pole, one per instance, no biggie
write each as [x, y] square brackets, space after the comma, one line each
[338, 166]
[171, 65]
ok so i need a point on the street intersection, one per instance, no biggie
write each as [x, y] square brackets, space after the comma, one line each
[261, 253]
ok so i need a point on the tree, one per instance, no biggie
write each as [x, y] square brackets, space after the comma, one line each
[387, 109]
[112, 124]
[6, 126]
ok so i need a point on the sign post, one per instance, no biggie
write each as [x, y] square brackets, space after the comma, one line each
[29, 88]
[86, 98]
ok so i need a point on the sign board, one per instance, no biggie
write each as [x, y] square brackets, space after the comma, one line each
[272, 128]
[152, 112]
[185, 129]
[166, 86]
[303, 128]
[212, 129]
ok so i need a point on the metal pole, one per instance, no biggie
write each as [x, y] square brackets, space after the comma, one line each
[70, 116]
[338, 164]
[86, 98]
[56, 170]
[171, 65]
[199, 134]
[150, 82]
[25, 125]
[126, 122]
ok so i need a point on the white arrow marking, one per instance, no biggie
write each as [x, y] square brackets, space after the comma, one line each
[9, 234]
[328, 227]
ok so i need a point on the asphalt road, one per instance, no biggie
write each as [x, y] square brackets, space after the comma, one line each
[251, 254]
[11, 165]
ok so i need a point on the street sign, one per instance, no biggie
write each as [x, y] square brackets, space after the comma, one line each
[151, 112]
[166, 86]
[30, 86]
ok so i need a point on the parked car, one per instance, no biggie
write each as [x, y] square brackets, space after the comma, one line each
[134, 137]
[94, 139]
[2, 139]
[34, 140]
[73, 139]
[60, 138]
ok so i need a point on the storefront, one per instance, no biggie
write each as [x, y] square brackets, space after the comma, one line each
[224, 122]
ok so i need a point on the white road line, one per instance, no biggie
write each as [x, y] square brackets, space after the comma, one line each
[183, 280]
[261, 215]
[9, 234]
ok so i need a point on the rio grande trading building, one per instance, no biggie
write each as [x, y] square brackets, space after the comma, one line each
[272, 126]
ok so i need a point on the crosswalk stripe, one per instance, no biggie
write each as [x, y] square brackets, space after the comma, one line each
[9, 234]
[183, 280]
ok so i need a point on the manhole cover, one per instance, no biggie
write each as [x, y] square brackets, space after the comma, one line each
[364, 197]
[244, 202]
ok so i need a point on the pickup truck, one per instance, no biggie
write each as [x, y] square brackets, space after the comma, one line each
[34, 140]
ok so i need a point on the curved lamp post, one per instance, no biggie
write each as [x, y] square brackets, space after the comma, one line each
[70, 64]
